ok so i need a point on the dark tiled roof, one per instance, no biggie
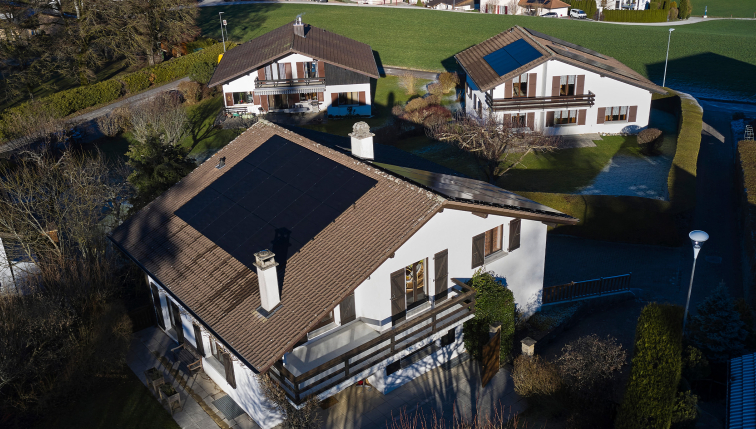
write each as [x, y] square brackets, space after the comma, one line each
[223, 293]
[473, 62]
[546, 4]
[317, 43]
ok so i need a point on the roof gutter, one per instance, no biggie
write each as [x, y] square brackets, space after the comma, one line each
[228, 346]
[480, 208]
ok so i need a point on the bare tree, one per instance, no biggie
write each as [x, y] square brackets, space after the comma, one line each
[161, 21]
[163, 114]
[590, 360]
[498, 145]
[408, 81]
[293, 418]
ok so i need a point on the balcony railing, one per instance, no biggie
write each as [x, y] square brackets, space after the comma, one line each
[361, 358]
[277, 83]
[550, 102]
[586, 288]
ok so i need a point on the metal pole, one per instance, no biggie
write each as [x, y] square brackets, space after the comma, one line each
[664, 82]
[220, 16]
[690, 287]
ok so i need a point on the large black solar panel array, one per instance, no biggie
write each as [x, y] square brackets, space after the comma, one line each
[278, 198]
[586, 60]
[567, 44]
[469, 190]
[511, 57]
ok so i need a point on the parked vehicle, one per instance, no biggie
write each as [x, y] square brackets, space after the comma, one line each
[550, 15]
[577, 13]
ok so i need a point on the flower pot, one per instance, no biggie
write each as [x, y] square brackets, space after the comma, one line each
[155, 378]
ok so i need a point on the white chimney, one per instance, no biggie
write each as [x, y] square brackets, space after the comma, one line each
[298, 27]
[362, 141]
[267, 278]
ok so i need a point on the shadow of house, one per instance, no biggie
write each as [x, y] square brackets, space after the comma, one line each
[729, 79]
[255, 16]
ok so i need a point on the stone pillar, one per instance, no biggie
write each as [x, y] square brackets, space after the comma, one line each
[528, 346]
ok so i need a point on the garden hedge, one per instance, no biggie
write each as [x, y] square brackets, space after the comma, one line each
[658, 15]
[747, 216]
[657, 361]
[681, 181]
[494, 303]
[587, 6]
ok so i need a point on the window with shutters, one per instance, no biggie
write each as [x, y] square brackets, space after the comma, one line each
[215, 360]
[243, 97]
[415, 284]
[520, 86]
[515, 226]
[616, 114]
[519, 120]
[349, 98]
[311, 69]
[492, 241]
[567, 85]
[309, 96]
[565, 117]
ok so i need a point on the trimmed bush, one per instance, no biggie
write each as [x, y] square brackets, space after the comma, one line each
[747, 218]
[685, 9]
[494, 304]
[70, 101]
[587, 6]
[535, 377]
[416, 104]
[681, 181]
[649, 139]
[650, 396]
[135, 82]
[658, 15]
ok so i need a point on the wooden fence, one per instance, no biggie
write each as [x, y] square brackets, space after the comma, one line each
[586, 289]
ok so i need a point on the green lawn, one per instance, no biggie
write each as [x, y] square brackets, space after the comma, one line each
[202, 136]
[121, 402]
[725, 8]
[716, 55]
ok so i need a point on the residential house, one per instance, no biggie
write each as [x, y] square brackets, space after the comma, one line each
[325, 261]
[547, 84]
[501, 7]
[539, 7]
[452, 4]
[298, 68]
[15, 265]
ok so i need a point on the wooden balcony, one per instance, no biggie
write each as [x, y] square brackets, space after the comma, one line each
[278, 83]
[550, 102]
[374, 352]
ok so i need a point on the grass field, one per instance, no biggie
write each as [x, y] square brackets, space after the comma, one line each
[713, 57]
[725, 8]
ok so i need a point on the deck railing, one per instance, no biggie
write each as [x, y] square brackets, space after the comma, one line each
[276, 83]
[586, 288]
[377, 350]
[548, 102]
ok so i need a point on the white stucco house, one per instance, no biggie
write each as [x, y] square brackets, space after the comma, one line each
[298, 68]
[324, 260]
[451, 4]
[551, 85]
[15, 265]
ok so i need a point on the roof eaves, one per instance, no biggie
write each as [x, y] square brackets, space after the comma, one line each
[637, 83]
[503, 211]
[374, 76]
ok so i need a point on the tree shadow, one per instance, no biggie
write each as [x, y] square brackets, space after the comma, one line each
[247, 19]
[201, 127]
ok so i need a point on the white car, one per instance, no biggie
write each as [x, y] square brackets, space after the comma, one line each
[577, 13]
[550, 15]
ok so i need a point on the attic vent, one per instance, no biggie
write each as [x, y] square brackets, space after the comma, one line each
[221, 163]
[298, 27]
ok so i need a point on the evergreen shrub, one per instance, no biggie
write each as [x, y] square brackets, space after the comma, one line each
[717, 328]
[494, 303]
[650, 396]
[587, 6]
[135, 82]
[658, 15]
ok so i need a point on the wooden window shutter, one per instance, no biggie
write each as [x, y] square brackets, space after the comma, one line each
[321, 69]
[581, 116]
[300, 70]
[229, 99]
[158, 306]
[264, 102]
[347, 310]
[441, 277]
[514, 234]
[580, 86]
[631, 115]
[488, 245]
[334, 99]
[362, 98]
[555, 84]
[255, 98]
[601, 115]
[549, 119]
[261, 73]
[530, 118]
[293, 98]
[177, 325]
[478, 243]
[198, 340]
[508, 89]
[506, 118]
[228, 365]
[287, 71]
[532, 80]
[320, 97]
[398, 291]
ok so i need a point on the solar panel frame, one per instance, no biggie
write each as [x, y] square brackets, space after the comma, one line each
[511, 57]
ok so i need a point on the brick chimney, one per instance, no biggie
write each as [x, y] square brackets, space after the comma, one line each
[362, 140]
[267, 278]
[299, 27]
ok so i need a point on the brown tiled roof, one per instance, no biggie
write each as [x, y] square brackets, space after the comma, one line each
[318, 43]
[455, 3]
[486, 78]
[223, 294]
[545, 4]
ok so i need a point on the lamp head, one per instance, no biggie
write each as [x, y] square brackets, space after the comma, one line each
[698, 238]
[671, 30]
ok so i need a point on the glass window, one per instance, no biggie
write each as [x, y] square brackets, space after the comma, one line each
[493, 240]
[308, 96]
[567, 85]
[278, 101]
[616, 114]
[565, 117]
[347, 98]
[243, 98]
[518, 120]
[311, 69]
[520, 86]
[415, 283]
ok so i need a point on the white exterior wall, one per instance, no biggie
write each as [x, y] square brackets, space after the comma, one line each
[608, 93]
[13, 274]
[343, 111]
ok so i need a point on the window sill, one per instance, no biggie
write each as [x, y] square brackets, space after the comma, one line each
[494, 257]
[566, 125]
[625, 121]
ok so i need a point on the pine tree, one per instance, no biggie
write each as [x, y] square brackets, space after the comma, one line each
[717, 328]
[685, 9]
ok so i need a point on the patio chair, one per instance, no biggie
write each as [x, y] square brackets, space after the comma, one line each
[188, 356]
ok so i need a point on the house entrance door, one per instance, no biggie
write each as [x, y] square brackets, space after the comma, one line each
[398, 305]
[177, 325]
[490, 359]
[158, 306]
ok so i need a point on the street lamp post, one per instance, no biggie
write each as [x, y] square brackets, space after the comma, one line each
[698, 238]
[220, 16]
[664, 82]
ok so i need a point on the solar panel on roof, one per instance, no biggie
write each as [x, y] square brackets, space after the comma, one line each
[470, 190]
[512, 56]
[585, 60]
[568, 44]
[263, 202]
